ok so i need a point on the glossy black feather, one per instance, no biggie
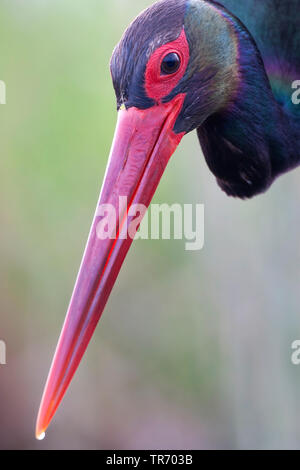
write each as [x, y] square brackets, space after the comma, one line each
[275, 27]
[249, 145]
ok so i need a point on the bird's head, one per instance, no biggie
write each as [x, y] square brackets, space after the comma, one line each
[178, 51]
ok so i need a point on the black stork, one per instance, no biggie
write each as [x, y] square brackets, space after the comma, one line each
[224, 69]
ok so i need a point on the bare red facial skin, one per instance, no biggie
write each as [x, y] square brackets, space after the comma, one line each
[159, 86]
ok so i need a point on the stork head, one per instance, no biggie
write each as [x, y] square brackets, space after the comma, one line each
[178, 48]
[172, 69]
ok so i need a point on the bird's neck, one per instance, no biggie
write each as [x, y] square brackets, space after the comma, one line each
[253, 140]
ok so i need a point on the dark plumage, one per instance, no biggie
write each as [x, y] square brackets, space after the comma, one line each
[238, 83]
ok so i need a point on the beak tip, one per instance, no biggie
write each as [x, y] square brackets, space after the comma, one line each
[40, 437]
[40, 430]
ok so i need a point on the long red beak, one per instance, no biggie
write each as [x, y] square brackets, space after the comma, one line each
[143, 144]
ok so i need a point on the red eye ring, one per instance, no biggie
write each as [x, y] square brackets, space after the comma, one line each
[158, 85]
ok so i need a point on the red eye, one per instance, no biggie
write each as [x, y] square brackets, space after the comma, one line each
[166, 67]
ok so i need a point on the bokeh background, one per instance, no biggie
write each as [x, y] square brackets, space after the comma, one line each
[194, 349]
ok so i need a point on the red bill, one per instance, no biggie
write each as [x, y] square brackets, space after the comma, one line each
[143, 144]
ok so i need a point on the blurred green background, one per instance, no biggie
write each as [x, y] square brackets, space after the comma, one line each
[194, 349]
